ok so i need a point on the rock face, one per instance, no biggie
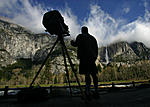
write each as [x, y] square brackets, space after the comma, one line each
[124, 51]
[17, 42]
[141, 50]
[56, 58]
[21, 43]
[5, 58]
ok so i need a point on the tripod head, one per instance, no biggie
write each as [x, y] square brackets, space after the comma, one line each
[54, 23]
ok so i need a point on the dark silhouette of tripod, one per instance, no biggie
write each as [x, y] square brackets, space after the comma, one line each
[60, 39]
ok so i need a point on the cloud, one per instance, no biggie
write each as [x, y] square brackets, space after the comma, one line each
[23, 13]
[126, 10]
[71, 21]
[101, 25]
[135, 31]
[6, 6]
[138, 30]
[108, 30]
[30, 16]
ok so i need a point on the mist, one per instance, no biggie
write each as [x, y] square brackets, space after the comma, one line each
[101, 25]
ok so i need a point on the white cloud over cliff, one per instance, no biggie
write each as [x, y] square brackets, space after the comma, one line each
[105, 28]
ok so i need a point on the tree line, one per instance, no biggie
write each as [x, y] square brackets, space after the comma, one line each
[23, 71]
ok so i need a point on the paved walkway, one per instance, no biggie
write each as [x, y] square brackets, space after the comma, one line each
[121, 98]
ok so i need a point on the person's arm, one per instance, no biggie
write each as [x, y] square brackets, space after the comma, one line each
[75, 42]
[95, 47]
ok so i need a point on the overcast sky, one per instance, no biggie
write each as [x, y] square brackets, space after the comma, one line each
[107, 20]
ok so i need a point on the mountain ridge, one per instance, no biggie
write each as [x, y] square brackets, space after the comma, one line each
[124, 51]
[22, 43]
[22, 53]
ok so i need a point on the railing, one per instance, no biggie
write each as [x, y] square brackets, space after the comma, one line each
[111, 85]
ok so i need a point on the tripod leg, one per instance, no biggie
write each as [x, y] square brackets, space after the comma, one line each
[71, 64]
[44, 62]
[67, 72]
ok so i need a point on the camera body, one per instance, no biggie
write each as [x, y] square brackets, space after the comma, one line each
[54, 23]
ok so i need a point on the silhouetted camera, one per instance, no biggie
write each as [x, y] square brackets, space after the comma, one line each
[54, 23]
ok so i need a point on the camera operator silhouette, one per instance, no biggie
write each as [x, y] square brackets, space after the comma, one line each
[87, 51]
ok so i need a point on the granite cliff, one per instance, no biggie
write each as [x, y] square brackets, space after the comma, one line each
[124, 51]
[17, 42]
[22, 52]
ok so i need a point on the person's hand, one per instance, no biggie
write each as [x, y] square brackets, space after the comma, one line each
[72, 42]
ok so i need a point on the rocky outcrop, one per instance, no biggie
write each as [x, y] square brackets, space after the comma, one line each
[141, 50]
[124, 51]
[21, 43]
[5, 58]
[56, 58]
[18, 42]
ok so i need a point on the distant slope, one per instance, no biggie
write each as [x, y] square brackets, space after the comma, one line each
[124, 51]
[20, 42]
[140, 50]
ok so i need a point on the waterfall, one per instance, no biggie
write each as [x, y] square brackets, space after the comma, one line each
[106, 56]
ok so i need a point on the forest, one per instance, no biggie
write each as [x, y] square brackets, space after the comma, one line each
[22, 73]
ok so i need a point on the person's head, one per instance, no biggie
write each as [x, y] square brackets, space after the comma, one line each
[84, 30]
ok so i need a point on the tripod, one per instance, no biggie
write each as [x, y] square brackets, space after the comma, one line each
[65, 53]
